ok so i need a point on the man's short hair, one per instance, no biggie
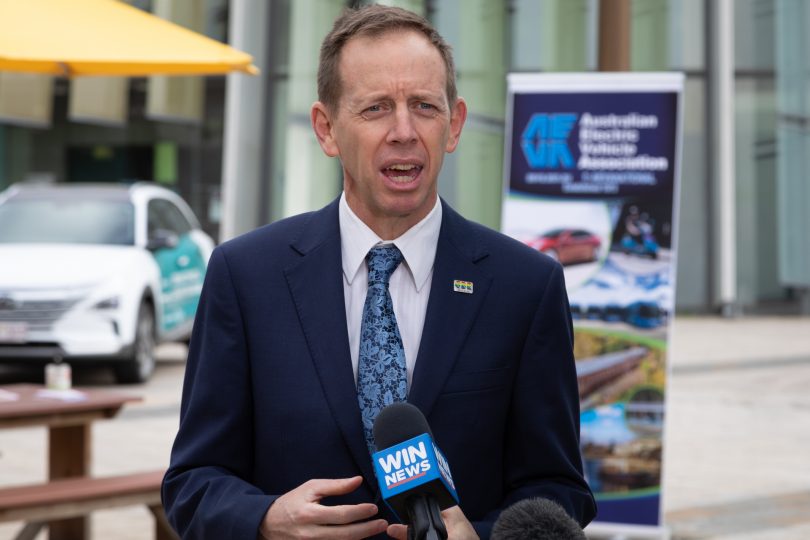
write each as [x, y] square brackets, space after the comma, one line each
[374, 21]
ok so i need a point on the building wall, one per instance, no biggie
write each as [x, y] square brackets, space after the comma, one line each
[552, 35]
[793, 144]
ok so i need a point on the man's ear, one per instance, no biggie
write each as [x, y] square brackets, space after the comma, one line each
[458, 114]
[322, 125]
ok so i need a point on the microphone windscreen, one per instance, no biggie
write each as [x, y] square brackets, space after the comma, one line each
[536, 519]
[399, 422]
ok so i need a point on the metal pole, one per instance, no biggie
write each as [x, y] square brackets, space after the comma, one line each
[614, 35]
[721, 76]
[243, 152]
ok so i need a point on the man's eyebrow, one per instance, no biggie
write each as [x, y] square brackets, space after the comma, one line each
[369, 98]
[426, 96]
[376, 97]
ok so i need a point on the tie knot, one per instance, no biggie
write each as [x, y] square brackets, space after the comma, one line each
[382, 261]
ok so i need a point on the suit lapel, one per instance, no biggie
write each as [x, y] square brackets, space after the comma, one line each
[316, 285]
[450, 314]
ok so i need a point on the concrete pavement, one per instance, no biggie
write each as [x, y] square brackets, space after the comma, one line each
[736, 449]
[738, 429]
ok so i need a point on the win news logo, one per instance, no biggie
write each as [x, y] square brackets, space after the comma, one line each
[544, 141]
[405, 464]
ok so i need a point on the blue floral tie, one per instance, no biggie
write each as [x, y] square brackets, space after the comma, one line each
[381, 373]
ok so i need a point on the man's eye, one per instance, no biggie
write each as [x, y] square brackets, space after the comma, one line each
[374, 111]
[426, 106]
[376, 108]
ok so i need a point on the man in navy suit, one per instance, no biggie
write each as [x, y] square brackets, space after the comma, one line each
[271, 441]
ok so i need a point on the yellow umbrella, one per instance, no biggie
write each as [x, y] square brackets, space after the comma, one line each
[106, 37]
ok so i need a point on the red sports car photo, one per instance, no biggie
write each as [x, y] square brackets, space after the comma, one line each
[568, 246]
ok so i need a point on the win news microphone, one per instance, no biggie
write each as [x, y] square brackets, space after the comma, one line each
[536, 519]
[412, 473]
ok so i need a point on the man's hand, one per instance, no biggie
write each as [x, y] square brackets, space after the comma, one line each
[458, 527]
[299, 514]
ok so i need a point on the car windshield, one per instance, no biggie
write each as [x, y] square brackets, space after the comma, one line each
[67, 221]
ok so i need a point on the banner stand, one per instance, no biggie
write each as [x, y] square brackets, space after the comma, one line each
[591, 173]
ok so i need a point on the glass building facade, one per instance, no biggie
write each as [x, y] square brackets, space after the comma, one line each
[252, 158]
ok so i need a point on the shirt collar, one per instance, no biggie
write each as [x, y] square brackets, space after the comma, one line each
[417, 244]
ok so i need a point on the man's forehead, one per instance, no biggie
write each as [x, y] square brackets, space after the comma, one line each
[363, 48]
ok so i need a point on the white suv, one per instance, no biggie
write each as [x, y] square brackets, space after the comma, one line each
[97, 273]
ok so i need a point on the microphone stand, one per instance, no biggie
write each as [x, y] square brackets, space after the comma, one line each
[425, 519]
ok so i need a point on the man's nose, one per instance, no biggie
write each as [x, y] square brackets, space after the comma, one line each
[402, 130]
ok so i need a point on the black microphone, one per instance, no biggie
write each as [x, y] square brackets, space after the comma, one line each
[536, 519]
[412, 473]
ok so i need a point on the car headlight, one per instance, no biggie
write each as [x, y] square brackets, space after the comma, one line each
[111, 302]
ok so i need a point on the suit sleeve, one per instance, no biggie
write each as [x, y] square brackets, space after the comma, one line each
[542, 454]
[205, 492]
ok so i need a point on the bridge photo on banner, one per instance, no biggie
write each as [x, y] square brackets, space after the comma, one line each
[591, 179]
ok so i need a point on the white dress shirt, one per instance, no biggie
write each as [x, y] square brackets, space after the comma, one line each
[409, 284]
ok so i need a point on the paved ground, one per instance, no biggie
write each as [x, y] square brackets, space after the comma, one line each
[738, 432]
[736, 449]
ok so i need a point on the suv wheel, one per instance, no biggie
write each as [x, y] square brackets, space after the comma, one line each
[140, 366]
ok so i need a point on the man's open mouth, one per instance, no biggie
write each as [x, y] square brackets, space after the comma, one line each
[402, 172]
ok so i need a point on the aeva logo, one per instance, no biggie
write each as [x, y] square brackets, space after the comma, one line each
[544, 141]
[405, 464]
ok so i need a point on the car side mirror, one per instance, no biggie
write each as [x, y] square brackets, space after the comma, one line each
[162, 238]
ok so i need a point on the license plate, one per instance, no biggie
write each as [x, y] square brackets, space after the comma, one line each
[13, 332]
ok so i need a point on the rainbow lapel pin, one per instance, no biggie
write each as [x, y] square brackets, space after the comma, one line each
[465, 287]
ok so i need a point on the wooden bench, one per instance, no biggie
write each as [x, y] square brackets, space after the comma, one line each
[73, 497]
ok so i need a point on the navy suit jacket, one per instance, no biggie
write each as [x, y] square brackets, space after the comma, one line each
[269, 398]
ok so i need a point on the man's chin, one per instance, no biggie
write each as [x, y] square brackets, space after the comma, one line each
[412, 206]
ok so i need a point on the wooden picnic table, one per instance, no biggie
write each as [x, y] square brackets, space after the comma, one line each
[68, 415]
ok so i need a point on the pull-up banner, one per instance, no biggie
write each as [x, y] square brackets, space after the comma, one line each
[591, 174]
